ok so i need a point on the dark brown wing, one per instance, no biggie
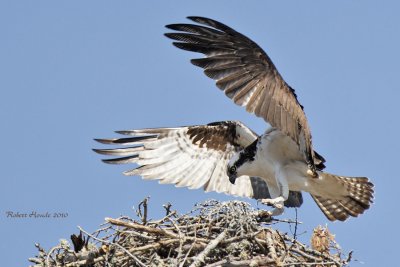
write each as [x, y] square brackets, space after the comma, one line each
[247, 75]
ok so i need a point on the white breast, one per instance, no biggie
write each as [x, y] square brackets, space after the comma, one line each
[279, 148]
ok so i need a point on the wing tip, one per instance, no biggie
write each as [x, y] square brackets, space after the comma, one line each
[104, 141]
[174, 27]
[196, 18]
[108, 161]
[122, 160]
[98, 151]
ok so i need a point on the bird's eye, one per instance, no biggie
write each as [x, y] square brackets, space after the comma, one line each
[232, 169]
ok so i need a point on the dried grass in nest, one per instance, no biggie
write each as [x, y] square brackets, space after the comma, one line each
[212, 234]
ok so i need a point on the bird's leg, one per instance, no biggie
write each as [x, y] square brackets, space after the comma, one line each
[274, 202]
[277, 203]
[280, 192]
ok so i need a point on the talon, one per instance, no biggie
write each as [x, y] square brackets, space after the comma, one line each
[267, 202]
[276, 203]
[264, 215]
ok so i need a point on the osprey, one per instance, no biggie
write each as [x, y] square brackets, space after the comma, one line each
[227, 156]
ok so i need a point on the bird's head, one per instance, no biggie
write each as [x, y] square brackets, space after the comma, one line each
[242, 162]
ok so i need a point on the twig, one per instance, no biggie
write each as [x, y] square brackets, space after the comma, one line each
[295, 226]
[262, 261]
[301, 263]
[51, 252]
[115, 244]
[167, 208]
[200, 258]
[143, 204]
[349, 257]
[187, 254]
[35, 260]
[142, 228]
[181, 238]
[286, 221]
[302, 253]
[270, 245]
[173, 213]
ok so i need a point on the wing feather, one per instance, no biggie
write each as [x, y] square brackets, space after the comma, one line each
[244, 93]
[215, 61]
[247, 75]
[190, 156]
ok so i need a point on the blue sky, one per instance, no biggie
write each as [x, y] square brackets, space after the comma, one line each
[72, 71]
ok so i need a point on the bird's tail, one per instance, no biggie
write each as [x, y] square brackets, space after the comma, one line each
[355, 195]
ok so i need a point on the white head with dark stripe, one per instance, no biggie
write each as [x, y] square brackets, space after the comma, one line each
[242, 163]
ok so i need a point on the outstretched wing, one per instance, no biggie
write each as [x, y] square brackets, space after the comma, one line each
[192, 156]
[247, 75]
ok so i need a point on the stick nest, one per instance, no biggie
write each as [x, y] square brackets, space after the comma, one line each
[212, 234]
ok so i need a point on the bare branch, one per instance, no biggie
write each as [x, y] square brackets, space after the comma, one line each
[200, 258]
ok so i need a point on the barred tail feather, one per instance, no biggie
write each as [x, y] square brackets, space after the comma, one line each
[356, 197]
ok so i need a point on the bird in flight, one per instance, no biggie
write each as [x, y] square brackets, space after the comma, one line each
[275, 167]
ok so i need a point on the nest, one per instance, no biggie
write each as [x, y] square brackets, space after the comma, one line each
[212, 234]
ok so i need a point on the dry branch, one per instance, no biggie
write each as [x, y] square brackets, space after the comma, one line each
[212, 234]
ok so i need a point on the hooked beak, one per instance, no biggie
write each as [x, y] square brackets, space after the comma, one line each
[232, 178]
